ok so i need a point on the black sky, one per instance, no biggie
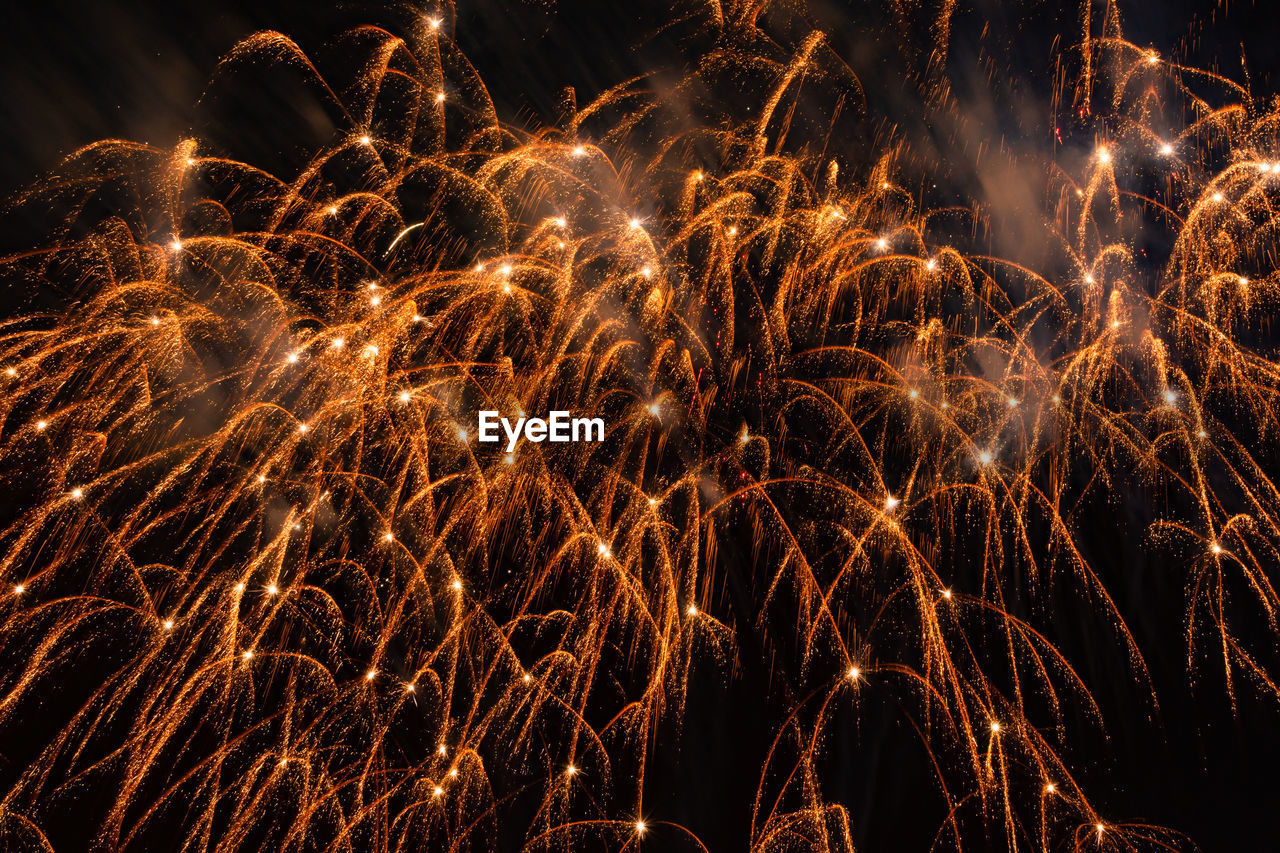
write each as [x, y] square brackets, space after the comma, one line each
[75, 72]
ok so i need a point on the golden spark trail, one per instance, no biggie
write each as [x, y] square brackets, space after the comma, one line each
[292, 602]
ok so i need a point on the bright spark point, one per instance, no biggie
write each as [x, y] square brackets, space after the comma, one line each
[168, 624]
[1088, 279]
[913, 393]
[364, 140]
[442, 750]
[176, 245]
[640, 827]
[1153, 58]
[732, 231]
[1104, 156]
[434, 23]
[457, 585]
[1170, 396]
[1166, 149]
[654, 409]
[882, 244]
[370, 351]
[42, 425]
[509, 459]
[1050, 788]
[248, 654]
[930, 264]
[19, 589]
[646, 272]
[692, 610]
[438, 791]
[854, 673]
[338, 343]
[292, 358]
[302, 427]
[526, 678]
[273, 589]
[985, 457]
[388, 537]
[697, 176]
[891, 503]
[9, 371]
[560, 222]
[1012, 402]
[504, 270]
[404, 396]
[579, 151]
[946, 593]
[995, 726]
[635, 224]
[439, 97]
[1201, 434]
[239, 587]
[603, 550]
[409, 688]
[332, 210]
[77, 493]
[375, 301]
[1215, 548]
[571, 770]
[371, 675]
[1217, 196]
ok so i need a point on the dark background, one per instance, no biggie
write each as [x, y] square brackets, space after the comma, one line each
[75, 72]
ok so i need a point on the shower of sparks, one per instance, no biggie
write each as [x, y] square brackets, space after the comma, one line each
[313, 607]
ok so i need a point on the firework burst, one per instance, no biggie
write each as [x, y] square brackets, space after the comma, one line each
[267, 590]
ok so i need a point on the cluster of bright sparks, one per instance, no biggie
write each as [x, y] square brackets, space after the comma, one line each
[292, 603]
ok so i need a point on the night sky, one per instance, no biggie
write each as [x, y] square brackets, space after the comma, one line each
[72, 73]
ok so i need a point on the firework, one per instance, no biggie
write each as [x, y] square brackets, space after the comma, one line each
[267, 588]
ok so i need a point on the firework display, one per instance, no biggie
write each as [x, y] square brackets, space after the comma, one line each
[272, 581]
